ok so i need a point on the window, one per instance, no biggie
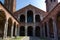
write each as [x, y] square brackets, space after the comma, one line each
[22, 18]
[29, 16]
[37, 18]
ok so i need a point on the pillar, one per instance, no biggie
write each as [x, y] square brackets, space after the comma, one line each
[44, 30]
[25, 30]
[16, 30]
[55, 30]
[48, 30]
[33, 30]
[5, 29]
[41, 34]
[12, 30]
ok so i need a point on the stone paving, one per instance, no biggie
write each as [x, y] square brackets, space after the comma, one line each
[31, 38]
[26, 38]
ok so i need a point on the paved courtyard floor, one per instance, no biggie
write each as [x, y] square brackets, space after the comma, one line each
[24, 38]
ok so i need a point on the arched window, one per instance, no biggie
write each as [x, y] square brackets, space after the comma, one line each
[22, 18]
[51, 28]
[14, 28]
[9, 27]
[29, 16]
[22, 31]
[58, 24]
[37, 31]
[2, 22]
[30, 31]
[37, 18]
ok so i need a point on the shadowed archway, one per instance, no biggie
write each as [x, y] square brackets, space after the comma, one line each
[37, 31]
[58, 24]
[14, 29]
[2, 22]
[9, 27]
[30, 31]
[45, 29]
[51, 32]
[22, 31]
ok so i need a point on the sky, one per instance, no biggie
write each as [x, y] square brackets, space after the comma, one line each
[37, 3]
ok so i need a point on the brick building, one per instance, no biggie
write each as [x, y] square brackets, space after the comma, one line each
[30, 20]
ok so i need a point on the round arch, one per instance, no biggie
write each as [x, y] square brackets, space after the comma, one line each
[51, 32]
[37, 18]
[2, 22]
[14, 29]
[30, 31]
[9, 27]
[22, 18]
[29, 16]
[22, 31]
[37, 31]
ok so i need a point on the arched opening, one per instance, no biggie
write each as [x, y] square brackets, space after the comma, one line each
[22, 31]
[9, 27]
[14, 29]
[29, 16]
[22, 18]
[46, 29]
[2, 22]
[58, 24]
[30, 31]
[37, 18]
[37, 31]
[51, 32]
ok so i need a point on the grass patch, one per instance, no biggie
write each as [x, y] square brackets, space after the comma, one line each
[17, 38]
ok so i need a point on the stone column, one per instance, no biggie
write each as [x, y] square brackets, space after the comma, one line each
[5, 29]
[44, 30]
[34, 23]
[41, 31]
[25, 30]
[47, 30]
[26, 24]
[12, 30]
[33, 30]
[55, 30]
[16, 31]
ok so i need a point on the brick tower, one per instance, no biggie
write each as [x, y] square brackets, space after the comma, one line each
[10, 5]
[50, 4]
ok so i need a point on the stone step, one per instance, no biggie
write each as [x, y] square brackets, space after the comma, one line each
[30, 38]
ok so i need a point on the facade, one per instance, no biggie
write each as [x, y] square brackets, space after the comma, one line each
[30, 20]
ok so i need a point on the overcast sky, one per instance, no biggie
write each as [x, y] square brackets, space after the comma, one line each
[37, 3]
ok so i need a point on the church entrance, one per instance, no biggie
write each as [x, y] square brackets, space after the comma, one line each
[37, 31]
[22, 31]
[30, 31]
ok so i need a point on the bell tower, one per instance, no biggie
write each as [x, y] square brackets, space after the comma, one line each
[50, 4]
[10, 5]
